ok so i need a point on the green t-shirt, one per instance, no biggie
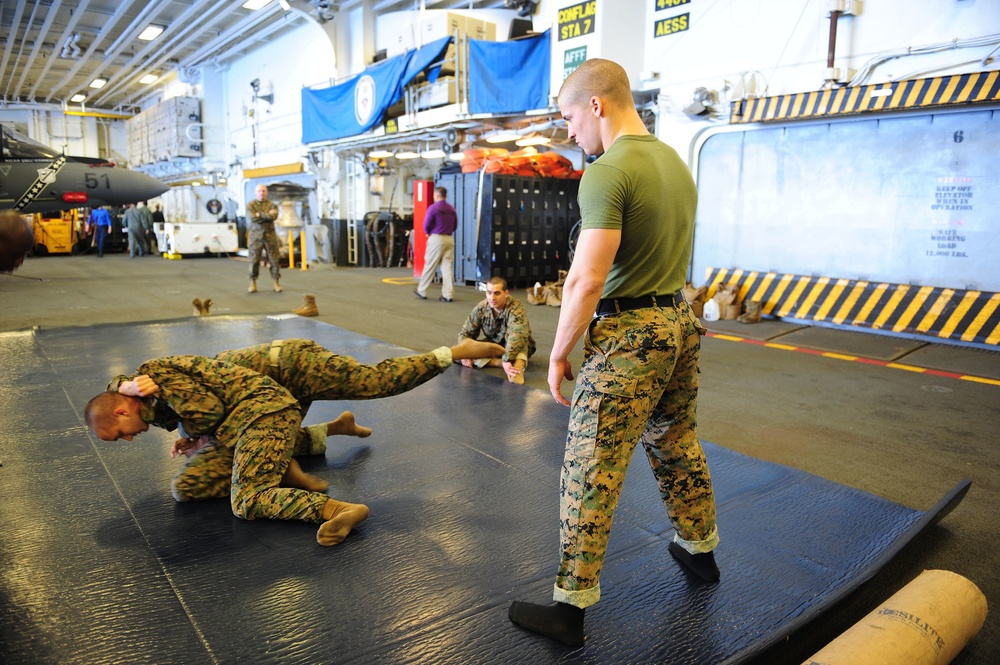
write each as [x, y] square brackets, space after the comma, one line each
[641, 186]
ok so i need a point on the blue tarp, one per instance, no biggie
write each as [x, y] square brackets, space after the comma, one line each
[357, 105]
[509, 77]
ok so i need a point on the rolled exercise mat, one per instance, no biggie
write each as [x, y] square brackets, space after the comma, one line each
[927, 622]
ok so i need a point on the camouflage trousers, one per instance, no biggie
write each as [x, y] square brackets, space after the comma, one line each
[639, 382]
[250, 472]
[259, 238]
[311, 372]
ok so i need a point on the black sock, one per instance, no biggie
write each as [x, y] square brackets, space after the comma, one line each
[560, 621]
[702, 565]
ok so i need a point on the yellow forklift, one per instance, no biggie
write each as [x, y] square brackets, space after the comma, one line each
[58, 232]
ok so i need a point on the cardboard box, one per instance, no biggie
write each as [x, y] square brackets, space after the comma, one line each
[440, 93]
[438, 26]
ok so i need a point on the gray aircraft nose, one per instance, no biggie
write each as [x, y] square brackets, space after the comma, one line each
[117, 186]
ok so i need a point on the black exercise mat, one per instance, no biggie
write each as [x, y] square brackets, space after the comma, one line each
[99, 564]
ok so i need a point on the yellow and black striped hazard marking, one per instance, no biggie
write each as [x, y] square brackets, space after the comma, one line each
[960, 89]
[859, 359]
[926, 311]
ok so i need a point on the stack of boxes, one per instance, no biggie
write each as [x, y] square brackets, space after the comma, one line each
[167, 131]
[444, 91]
[437, 25]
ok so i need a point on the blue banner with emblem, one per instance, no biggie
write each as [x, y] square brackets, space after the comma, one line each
[358, 104]
[509, 77]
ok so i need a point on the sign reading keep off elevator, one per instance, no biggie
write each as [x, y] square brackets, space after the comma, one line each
[577, 20]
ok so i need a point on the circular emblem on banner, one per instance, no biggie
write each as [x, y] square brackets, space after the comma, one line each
[214, 206]
[364, 99]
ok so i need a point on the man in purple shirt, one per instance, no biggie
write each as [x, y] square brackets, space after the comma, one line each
[439, 224]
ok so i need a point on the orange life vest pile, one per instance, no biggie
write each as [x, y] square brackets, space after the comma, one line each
[527, 162]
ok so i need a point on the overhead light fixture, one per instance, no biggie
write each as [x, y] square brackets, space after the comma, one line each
[380, 154]
[149, 78]
[284, 5]
[503, 137]
[533, 140]
[407, 154]
[437, 153]
[254, 5]
[151, 32]
[98, 83]
[78, 97]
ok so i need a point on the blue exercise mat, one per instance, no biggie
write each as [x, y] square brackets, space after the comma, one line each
[99, 564]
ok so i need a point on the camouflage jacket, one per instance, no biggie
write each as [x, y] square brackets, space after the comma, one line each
[508, 327]
[262, 212]
[207, 396]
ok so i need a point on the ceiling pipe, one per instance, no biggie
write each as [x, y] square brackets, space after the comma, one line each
[54, 90]
[12, 92]
[181, 30]
[11, 37]
[70, 40]
[831, 71]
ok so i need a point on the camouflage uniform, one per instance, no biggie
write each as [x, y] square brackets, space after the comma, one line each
[254, 421]
[509, 328]
[639, 378]
[309, 372]
[261, 235]
[639, 382]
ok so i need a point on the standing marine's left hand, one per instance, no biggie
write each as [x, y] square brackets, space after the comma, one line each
[559, 370]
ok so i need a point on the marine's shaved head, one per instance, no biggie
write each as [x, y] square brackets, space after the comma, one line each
[597, 78]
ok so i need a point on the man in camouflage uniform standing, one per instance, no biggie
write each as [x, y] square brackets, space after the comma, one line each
[501, 318]
[639, 378]
[261, 214]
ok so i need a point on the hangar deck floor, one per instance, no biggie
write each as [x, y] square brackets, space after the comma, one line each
[907, 436]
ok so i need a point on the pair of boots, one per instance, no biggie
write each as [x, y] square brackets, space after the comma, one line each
[202, 307]
[253, 286]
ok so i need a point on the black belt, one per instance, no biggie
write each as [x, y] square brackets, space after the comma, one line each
[616, 305]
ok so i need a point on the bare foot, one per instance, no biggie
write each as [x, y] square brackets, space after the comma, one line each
[296, 477]
[345, 517]
[472, 349]
[345, 425]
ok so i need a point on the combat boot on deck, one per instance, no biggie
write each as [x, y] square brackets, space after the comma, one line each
[309, 308]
